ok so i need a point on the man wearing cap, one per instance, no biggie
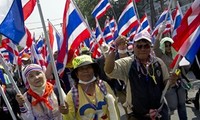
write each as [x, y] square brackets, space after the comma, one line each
[145, 74]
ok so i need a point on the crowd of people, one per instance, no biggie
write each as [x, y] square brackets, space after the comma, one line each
[90, 88]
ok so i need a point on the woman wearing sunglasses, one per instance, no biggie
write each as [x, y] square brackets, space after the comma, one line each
[145, 74]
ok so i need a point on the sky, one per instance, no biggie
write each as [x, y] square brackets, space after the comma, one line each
[52, 10]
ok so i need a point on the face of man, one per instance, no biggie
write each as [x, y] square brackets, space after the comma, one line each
[142, 49]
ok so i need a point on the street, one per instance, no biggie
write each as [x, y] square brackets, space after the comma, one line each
[192, 113]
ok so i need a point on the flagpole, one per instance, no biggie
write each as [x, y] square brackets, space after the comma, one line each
[160, 36]
[11, 78]
[82, 18]
[136, 11]
[102, 38]
[7, 103]
[51, 55]
[168, 81]
[180, 9]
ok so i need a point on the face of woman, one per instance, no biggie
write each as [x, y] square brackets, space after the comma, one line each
[167, 47]
[36, 78]
[85, 73]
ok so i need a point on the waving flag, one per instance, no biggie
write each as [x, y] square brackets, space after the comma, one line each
[108, 36]
[28, 6]
[161, 20]
[101, 8]
[144, 24]
[75, 31]
[55, 38]
[114, 28]
[12, 20]
[127, 19]
[191, 46]
[11, 48]
[189, 23]
[177, 17]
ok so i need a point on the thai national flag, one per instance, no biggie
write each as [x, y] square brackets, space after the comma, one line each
[114, 28]
[189, 23]
[28, 7]
[177, 17]
[161, 20]
[191, 46]
[108, 36]
[127, 19]
[101, 8]
[37, 56]
[75, 31]
[144, 24]
[98, 42]
[12, 20]
[55, 38]
[11, 48]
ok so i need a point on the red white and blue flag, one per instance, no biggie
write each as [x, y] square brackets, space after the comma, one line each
[177, 17]
[11, 48]
[160, 21]
[55, 38]
[108, 35]
[127, 19]
[75, 31]
[101, 8]
[28, 7]
[191, 46]
[186, 41]
[144, 25]
[12, 20]
[189, 23]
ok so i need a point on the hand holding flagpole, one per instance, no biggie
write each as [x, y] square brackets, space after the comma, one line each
[51, 55]
[11, 79]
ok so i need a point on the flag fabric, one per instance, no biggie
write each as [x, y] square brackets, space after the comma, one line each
[55, 38]
[160, 22]
[12, 20]
[127, 19]
[12, 49]
[107, 34]
[114, 28]
[144, 25]
[101, 8]
[28, 7]
[191, 46]
[177, 17]
[132, 33]
[189, 23]
[37, 57]
[42, 49]
[75, 31]
[98, 42]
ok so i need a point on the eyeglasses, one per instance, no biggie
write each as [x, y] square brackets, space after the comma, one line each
[146, 46]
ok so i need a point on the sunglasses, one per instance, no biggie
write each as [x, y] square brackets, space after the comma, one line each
[146, 46]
